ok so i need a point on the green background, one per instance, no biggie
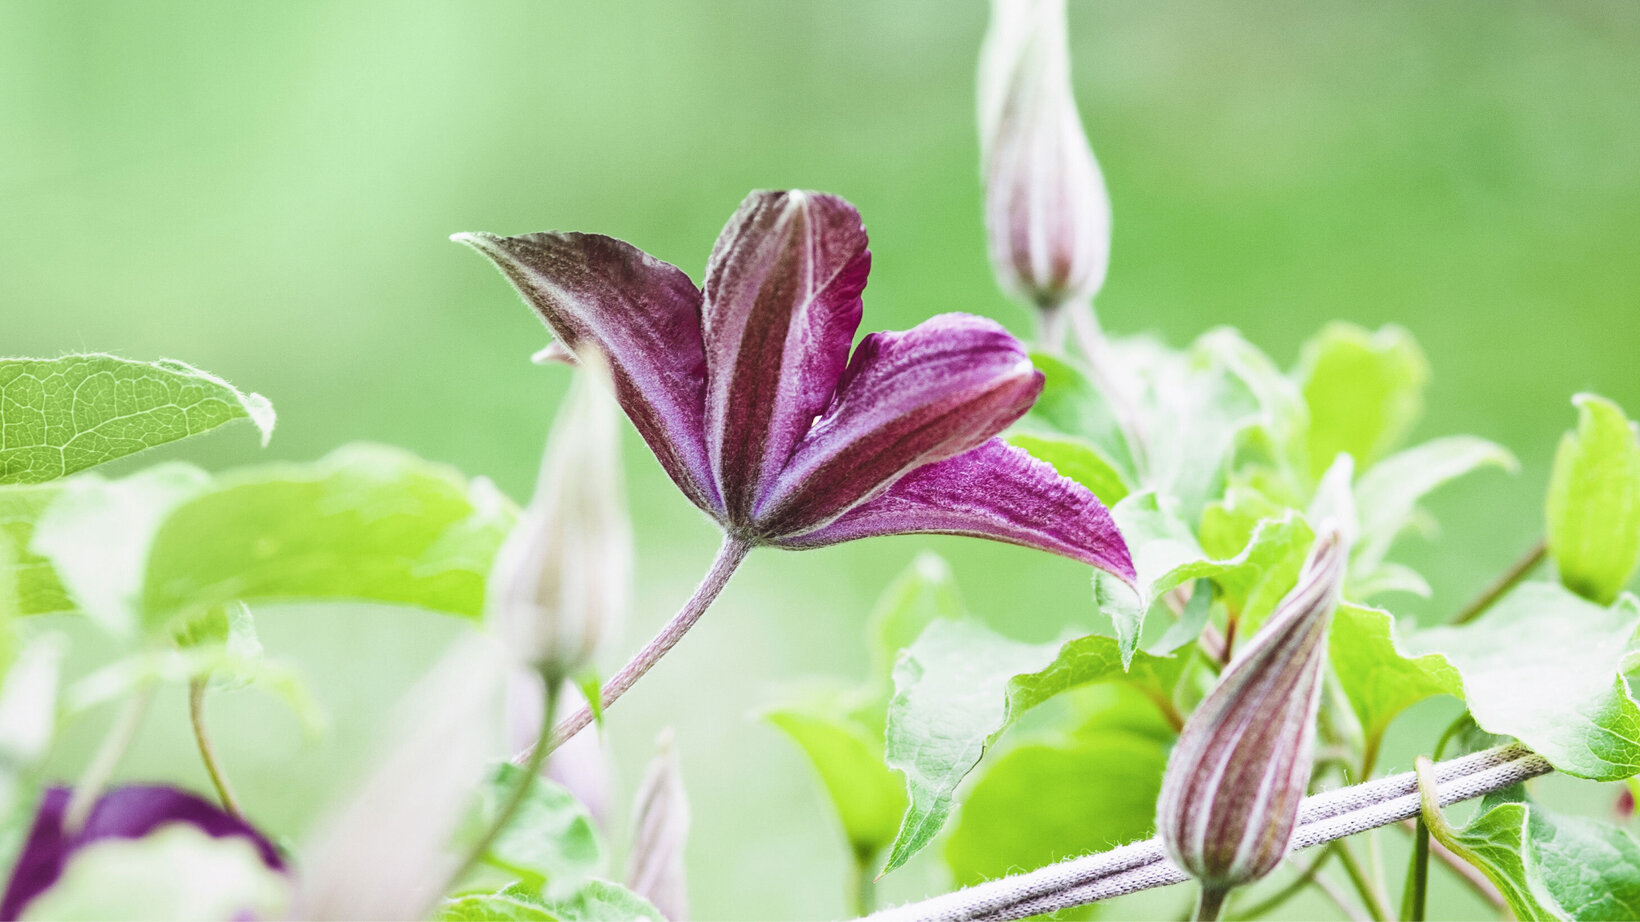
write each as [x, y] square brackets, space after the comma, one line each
[265, 190]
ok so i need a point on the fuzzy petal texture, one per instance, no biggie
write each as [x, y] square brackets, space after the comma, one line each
[129, 812]
[906, 400]
[782, 305]
[644, 315]
[995, 491]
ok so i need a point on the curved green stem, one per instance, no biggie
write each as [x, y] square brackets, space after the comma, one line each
[1416, 897]
[532, 768]
[108, 756]
[1296, 886]
[1516, 572]
[207, 752]
[1377, 906]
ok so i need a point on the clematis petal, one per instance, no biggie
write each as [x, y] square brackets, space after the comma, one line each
[906, 399]
[994, 491]
[643, 315]
[129, 812]
[782, 305]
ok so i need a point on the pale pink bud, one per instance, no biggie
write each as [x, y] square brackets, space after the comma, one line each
[1230, 796]
[582, 764]
[1046, 209]
[561, 580]
[660, 829]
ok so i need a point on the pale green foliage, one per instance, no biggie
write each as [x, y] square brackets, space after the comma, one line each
[365, 522]
[59, 416]
[1077, 459]
[1066, 795]
[1364, 391]
[1544, 666]
[596, 901]
[1387, 495]
[550, 843]
[176, 872]
[961, 685]
[38, 591]
[1594, 501]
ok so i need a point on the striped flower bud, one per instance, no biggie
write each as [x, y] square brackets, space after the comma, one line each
[1046, 209]
[660, 829]
[1230, 796]
[560, 581]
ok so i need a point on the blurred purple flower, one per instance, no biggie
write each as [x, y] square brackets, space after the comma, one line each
[748, 396]
[129, 812]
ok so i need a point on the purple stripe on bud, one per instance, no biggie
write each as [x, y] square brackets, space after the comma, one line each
[1230, 797]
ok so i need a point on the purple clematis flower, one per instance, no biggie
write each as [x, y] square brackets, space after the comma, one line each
[747, 393]
[129, 812]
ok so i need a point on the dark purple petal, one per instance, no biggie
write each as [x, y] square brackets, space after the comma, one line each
[995, 491]
[782, 304]
[907, 399]
[129, 812]
[643, 314]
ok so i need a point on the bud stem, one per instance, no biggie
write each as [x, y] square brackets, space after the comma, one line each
[108, 757]
[729, 557]
[1377, 907]
[1210, 903]
[1417, 891]
[207, 753]
[532, 768]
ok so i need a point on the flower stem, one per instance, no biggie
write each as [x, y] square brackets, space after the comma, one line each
[1263, 907]
[1377, 906]
[526, 779]
[108, 756]
[1210, 903]
[865, 886]
[729, 557]
[207, 752]
[1416, 897]
[1503, 584]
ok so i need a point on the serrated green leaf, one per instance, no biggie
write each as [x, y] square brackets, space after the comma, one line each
[1364, 391]
[38, 591]
[550, 838]
[1044, 802]
[176, 872]
[493, 907]
[65, 415]
[847, 752]
[1593, 507]
[1076, 459]
[365, 522]
[1388, 493]
[1498, 844]
[1380, 680]
[961, 685]
[601, 901]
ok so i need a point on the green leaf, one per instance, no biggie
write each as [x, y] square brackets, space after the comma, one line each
[923, 593]
[365, 522]
[550, 838]
[1543, 666]
[38, 591]
[1387, 494]
[961, 685]
[176, 872]
[601, 901]
[1076, 459]
[65, 415]
[1378, 679]
[1364, 391]
[1071, 404]
[493, 907]
[1594, 501]
[97, 534]
[227, 669]
[1045, 802]
[847, 752]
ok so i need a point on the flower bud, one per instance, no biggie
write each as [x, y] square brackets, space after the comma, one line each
[659, 831]
[561, 579]
[1230, 796]
[1047, 213]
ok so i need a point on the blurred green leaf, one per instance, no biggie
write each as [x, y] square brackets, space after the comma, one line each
[924, 592]
[847, 752]
[600, 900]
[38, 591]
[1388, 493]
[1071, 405]
[550, 841]
[961, 685]
[494, 907]
[365, 522]
[1543, 666]
[1364, 391]
[175, 872]
[596, 901]
[1076, 459]
[1594, 501]
[227, 670]
[65, 415]
[1045, 802]
[1550, 866]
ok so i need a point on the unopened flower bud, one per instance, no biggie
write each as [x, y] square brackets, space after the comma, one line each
[659, 831]
[1230, 796]
[560, 581]
[1047, 213]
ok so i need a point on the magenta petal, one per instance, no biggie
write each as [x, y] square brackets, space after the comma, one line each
[129, 812]
[907, 399]
[995, 491]
[782, 304]
[643, 314]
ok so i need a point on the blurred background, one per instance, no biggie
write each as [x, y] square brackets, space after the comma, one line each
[265, 190]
